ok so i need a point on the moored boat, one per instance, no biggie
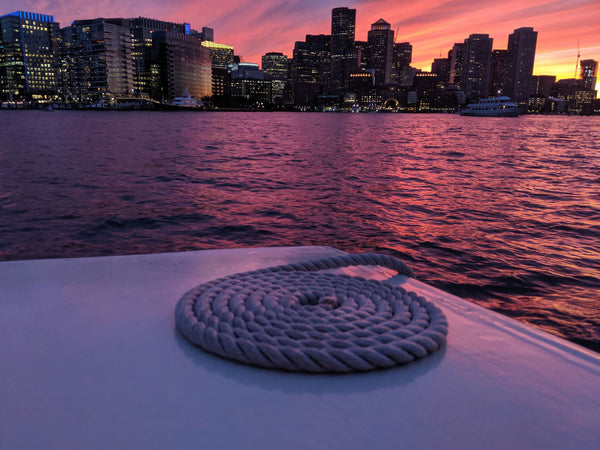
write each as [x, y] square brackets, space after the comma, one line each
[501, 106]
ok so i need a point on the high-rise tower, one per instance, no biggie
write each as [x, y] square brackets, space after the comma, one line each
[476, 64]
[519, 64]
[381, 51]
[344, 57]
[27, 69]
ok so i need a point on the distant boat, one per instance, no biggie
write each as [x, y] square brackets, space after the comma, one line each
[492, 107]
[186, 101]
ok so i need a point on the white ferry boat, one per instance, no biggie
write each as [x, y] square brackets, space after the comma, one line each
[492, 107]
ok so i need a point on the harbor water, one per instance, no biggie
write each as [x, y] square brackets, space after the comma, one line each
[504, 212]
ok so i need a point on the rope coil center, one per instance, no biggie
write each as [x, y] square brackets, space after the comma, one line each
[294, 318]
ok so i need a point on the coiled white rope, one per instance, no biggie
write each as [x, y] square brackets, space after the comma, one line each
[293, 318]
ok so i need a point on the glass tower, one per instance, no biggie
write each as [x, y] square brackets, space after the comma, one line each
[27, 45]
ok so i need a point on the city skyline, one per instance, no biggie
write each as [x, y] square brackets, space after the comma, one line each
[432, 27]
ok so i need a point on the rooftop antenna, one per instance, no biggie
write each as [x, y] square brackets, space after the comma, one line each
[578, 56]
[396, 33]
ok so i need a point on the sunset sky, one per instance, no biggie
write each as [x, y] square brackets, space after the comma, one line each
[255, 27]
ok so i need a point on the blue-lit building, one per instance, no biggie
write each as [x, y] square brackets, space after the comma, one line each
[27, 66]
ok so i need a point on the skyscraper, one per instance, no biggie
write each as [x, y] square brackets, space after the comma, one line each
[519, 64]
[344, 57]
[275, 67]
[476, 61]
[402, 58]
[455, 55]
[27, 45]
[310, 69]
[498, 72]
[381, 51]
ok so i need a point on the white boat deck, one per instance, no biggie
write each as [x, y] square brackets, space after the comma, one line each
[90, 358]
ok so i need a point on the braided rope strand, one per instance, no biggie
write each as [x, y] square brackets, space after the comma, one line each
[294, 318]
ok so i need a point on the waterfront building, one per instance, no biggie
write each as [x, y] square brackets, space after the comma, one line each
[275, 68]
[401, 59]
[456, 63]
[498, 72]
[519, 64]
[540, 91]
[180, 62]
[476, 63]
[344, 56]
[249, 85]
[441, 67]
[425, 84]
[221, 55]
[574, 91]
[542, 85]
[221, 82]
[381, 51]
[142, 29]
[27, 65]
[589, 73]
[96, 60]
[362, 84]
[310, 69]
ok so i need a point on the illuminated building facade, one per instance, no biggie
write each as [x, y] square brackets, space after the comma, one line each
[275, 68]
[575, 93]
[180, 62]
[310, 71]
[519, 64]
[476, 64]
[363, 85]
[27, 65]
[221, 55]
[97, 60]
[381, 51]
[402, 58]
[142, 29]
[344, 56]
[589, 73]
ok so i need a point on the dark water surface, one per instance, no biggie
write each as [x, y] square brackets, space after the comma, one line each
[503, 212]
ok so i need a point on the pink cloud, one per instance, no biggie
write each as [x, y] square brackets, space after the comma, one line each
[431, 26]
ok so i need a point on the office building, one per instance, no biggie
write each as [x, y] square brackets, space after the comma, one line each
[456, 63]
[344, 56]
[575, 93]
[142, 29]
[519, 64]
[181, 62]
[441, 67]
[476, 64]
[381, 51]
[27, 65]
[498, 72]
[221, 55]
[589, 73]
[402, 57]
[310, 69]
[96, 60]
[275, 68]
